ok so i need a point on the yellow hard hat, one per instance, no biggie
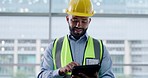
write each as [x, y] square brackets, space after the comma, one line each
[80, 8]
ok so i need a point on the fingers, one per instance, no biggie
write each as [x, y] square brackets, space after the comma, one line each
[62, 71]
[68, 68]
[71, 65]
[75, 63]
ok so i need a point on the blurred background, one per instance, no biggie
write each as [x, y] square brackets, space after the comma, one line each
[27, 26]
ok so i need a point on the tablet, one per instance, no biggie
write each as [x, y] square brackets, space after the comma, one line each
[89, 70]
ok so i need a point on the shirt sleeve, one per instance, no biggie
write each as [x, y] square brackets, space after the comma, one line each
[47, 66]
[106, 66]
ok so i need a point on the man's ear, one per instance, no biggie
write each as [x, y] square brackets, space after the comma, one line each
[89, 20]
[67, 18]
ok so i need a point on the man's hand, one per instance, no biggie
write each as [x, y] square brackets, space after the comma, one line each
[67, 68]
[81, 75]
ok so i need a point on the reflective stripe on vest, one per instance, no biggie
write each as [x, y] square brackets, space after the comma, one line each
[62, 54]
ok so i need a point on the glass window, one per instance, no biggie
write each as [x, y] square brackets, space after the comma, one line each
[108, 6]
[6, 71]
[115, 41]
[117, 59]
[6, 59]
[135, 42]
[27, 31]
[134, 49]
[24, 6]
[44, 41]
[59, 6]
[140, 59]
[20, 42]
[26, 71]
[118, 70]
[6, 41]
[115, 48]
[140, 71]
[26, 59]
[7, 48]
[24, 27]
[26, 48]
[30, 41]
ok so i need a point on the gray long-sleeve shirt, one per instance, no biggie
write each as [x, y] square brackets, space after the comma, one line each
[77, 47]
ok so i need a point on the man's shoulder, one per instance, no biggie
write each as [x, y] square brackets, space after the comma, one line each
[58, 39]
[95, 38]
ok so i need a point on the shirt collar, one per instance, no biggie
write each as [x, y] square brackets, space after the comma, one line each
[85, 36]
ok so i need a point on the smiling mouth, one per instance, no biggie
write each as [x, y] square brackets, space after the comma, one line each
[78, 30]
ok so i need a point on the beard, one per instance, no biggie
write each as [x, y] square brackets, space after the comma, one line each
[77, 32]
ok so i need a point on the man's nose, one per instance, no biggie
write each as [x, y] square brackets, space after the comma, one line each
[78, 24]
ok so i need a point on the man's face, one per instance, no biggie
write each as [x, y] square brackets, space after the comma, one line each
[78, 25]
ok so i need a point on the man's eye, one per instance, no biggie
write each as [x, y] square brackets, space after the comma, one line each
[84, 21]
[74, 20]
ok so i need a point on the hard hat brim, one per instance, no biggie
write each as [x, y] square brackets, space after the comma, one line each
[80, 14]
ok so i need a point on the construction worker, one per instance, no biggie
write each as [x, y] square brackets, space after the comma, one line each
[73, 49]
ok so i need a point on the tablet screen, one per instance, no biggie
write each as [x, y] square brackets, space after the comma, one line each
[89, 70]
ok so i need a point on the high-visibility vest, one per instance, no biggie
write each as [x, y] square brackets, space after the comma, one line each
[62, 54]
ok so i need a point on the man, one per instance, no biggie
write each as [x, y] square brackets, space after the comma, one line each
[73, 50]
